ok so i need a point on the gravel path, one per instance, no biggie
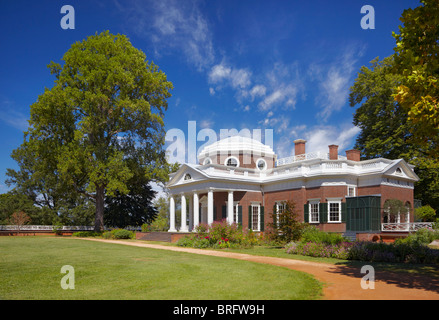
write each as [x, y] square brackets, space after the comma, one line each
[341, 282]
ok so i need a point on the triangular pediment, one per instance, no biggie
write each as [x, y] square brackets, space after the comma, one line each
[185, 175]
[401, 169]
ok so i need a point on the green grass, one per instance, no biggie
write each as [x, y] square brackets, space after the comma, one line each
[30, 269]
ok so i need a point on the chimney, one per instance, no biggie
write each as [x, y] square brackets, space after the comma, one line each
[333, 152]
[353, 155]
[299, 147]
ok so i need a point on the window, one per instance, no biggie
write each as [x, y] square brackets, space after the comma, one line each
[187, 176]
[255, 218]
[280, 207]
[314, 212]
[351, 191]
[261, 164]
[334, 211]
[232, 162]
[207, 161]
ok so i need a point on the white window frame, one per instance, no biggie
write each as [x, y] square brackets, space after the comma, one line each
[354, 191]
[339, 210]
[310, 211]
[207, 161]
[232, 157]
[265, 164]
[280, 206]
[258, 215]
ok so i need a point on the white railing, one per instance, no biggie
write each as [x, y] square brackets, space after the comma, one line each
[45, 228]
[405, 227]
[306, 156]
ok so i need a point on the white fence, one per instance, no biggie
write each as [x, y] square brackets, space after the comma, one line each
[51, 228]
[45, 228]
[405, 227]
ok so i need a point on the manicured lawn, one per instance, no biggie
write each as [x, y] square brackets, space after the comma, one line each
[30, 269]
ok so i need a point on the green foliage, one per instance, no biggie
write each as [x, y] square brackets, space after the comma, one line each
[85, 234]
[219, 235]
[285, 225]
[423, 236]
[312, 234]
[100, 125]
[119, 234]
[417, 59]
[425, 213]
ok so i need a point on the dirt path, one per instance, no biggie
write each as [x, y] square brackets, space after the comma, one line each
[341, 282]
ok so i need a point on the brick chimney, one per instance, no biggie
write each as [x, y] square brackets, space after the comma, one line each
[299, 147]
[353, 155]
[333, 152]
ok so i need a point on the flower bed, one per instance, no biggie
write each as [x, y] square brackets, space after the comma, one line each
[219, 235]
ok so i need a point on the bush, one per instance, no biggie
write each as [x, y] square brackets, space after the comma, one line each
[119, 234]
[312, 234]
[319, 249]
[219, 235]
[422, 236]
[84, 234]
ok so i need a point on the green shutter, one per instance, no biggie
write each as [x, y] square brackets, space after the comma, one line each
[323, 212]
[343, 212]
[262, 218]
[223, 212]
[240, 215]
[306, 212]
[249, 217]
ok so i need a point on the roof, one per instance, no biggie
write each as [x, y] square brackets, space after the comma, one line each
[236, 144]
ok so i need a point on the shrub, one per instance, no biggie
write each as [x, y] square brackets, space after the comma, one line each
[319, 249]
[312, 234]
[219, 235]
[118, 234]
[84, 234]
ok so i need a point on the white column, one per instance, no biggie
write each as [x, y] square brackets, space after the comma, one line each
[171, 214]
[191, 213]
[209, 207]
[183, 214]
[230, 207]
[196, 210]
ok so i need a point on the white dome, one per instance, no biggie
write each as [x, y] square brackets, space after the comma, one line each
[236, 144]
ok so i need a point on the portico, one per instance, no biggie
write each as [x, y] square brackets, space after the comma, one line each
[195, 211]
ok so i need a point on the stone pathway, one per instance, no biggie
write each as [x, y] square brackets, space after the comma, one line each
[341, 282]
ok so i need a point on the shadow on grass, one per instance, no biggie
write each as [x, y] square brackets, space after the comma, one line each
[410, 276]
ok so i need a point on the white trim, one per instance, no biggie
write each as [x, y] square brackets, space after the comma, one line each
[314, 202]
[254, 205]
[339, 211]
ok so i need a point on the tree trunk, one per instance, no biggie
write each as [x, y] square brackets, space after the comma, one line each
[99, 217]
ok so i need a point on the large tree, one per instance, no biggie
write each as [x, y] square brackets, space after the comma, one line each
[386, 129]
[417, 59]
[104, 112]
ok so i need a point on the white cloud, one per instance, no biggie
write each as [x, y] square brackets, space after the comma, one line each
[223, 74]
[172, 24]
[258, 91]
[334, 82]
[319, 138]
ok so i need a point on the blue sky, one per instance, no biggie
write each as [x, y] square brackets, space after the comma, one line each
[247, 64]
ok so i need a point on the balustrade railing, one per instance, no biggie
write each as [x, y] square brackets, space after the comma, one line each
[405, 227]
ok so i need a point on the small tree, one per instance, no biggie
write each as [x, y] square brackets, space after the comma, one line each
[19, 219]
[425, 213]
[285, 226]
